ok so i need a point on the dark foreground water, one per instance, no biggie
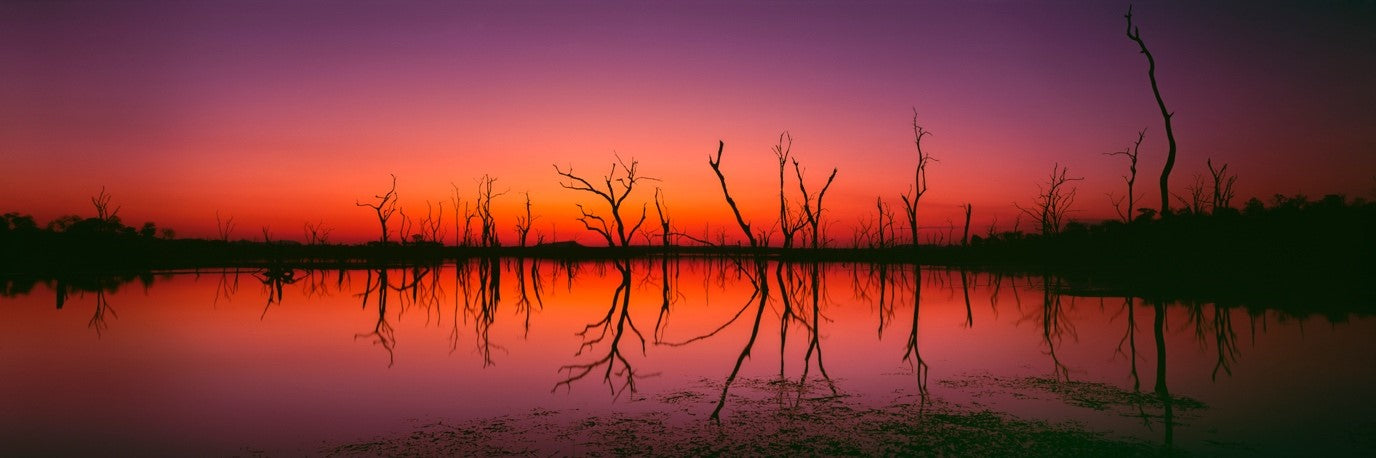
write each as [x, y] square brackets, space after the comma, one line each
[297, 362]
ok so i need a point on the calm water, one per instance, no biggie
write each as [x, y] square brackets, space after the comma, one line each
[227, 363]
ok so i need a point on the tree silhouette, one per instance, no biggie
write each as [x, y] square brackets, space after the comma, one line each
[965, 234]
[1223, 186]
[625, 178]
[716, 167]
[102, 203]
[386, 205]
[812, 215]
[1050, 207]
[483, 211]
[914, 194]
[317, 233]
[1135, 35]
[788, 223]
[523, 224]
[1130, 178]
[224, 227]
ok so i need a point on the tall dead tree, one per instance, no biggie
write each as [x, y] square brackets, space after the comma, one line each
[523, 223]
[812, 215]
[716, 167]
[788, 223]
[919, 188]
[616, 186]
[1135, 35]
[1130, 178]
[386, 205]
[1223, 185]
[1051, 206]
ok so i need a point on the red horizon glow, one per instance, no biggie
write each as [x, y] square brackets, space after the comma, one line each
[281, 114]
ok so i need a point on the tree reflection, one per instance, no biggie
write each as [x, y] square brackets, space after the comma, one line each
[613, 325]
[382, 334]
[274, 279]
[1158, 330]
[815, 331]
[103, 307]
[1055, 324]
[912, 354]
[761, 292]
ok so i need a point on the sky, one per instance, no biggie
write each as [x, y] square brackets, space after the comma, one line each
[279, 113]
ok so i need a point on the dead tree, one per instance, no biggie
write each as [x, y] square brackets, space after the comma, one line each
[965, 235]
[224, 227]
[625, 177]
[662, 211]
[432, 227]
[404, 229]
[789, 225]
[483, 211]
[885, 233]
[1130, 178]
[1223, 186]
[523, 223]
[914, 194]
[716, 167]
[317, 233]
[102, 203]
[1197, 199]
[386, 205]
[812, 216]
[1051, 206]
[1135, 35]
[463, 227]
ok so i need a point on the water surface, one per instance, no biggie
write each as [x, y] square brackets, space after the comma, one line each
[226, 362]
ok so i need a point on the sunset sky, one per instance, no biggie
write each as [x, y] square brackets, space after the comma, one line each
[278, 113]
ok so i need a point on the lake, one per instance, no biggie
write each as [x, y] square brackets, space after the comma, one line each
[296, 361]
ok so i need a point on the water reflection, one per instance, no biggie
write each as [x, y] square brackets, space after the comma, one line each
[618, 323]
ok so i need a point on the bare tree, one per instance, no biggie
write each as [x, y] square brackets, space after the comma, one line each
[615, 195]
[404, 229]
[432, 227]
[1050, 207]
[914, 194]
[483, 212]
[716, 167]
[662, 211]
[386, 205]
[1197, 200]
[523, 224]
[813, 216]
[1223, 185]
[463, 227]
[102, 203]
[788, 223]
[1135, 35]
[965, 235]
[1130, 178]
[884, 231]
[317, 233]
[224, 227]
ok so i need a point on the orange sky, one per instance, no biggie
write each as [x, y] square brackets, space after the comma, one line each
[288, 113]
